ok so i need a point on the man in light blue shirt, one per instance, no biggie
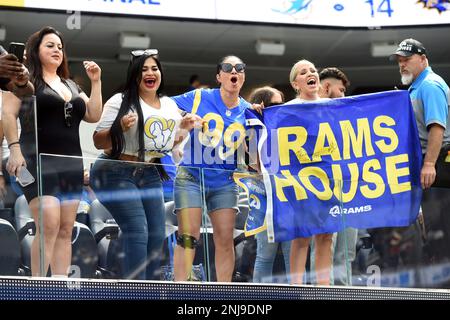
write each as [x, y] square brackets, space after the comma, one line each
[430, 97]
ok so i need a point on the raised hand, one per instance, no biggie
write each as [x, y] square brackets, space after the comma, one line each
[258, 107]
[93, 71]
[190, 121]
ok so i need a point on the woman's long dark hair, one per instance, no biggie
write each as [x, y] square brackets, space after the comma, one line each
[34, 62]
[130, 100]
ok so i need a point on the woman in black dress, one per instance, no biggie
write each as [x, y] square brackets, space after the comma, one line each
[60, 105]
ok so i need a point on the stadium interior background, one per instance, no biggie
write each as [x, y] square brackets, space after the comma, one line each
[188, 47]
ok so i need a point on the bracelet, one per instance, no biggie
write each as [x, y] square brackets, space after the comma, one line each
[13, 143]
[21, 86]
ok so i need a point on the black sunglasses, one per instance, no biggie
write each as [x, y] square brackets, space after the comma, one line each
[274, 104]
[228, 67]
[68, 108]
[147, 52]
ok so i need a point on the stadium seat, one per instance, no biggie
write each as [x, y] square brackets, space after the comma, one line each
[171, 217]
[84, 251]
[107, 236]
[9, 250]
[26, 230]
[8, 215]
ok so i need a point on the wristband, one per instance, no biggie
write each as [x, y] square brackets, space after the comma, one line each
[13, 143]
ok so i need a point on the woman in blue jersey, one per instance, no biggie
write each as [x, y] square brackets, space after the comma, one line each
[208, 162]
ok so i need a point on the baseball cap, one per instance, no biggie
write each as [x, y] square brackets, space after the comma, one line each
[407, 48]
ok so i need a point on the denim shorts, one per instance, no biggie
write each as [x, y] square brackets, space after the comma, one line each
[188, 193]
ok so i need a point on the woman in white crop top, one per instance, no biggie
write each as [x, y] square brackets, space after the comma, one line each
[138, 127]
[304, 79]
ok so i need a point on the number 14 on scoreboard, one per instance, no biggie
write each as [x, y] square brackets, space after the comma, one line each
[382, 6]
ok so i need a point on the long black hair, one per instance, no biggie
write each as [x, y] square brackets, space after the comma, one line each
[34, 62]
[130, 100]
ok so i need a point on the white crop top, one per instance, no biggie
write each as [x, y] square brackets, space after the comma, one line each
[160, 126]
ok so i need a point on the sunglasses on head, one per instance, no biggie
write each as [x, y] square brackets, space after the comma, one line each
[147, 52]
[68, 108]
[228, 67]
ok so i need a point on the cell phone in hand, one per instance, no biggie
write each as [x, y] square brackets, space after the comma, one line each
[24, 178]
[17, 49]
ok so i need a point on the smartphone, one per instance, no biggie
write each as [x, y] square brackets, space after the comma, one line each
[17, 49]
[24, 178]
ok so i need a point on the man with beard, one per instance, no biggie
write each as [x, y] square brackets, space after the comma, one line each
[430, 97]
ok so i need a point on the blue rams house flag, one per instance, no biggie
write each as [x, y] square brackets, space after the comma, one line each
[332, 164]
[253, 185]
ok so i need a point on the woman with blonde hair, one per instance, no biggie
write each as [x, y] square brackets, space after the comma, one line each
[304, 78]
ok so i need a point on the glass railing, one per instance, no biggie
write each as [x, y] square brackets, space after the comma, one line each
[378, 238]
[414, 254]
[125, 227]
[271, 211]
[122, 227]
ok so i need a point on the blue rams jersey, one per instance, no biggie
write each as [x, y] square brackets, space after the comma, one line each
[213, 147]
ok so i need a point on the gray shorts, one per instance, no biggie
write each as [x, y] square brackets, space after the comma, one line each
[188, 193]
